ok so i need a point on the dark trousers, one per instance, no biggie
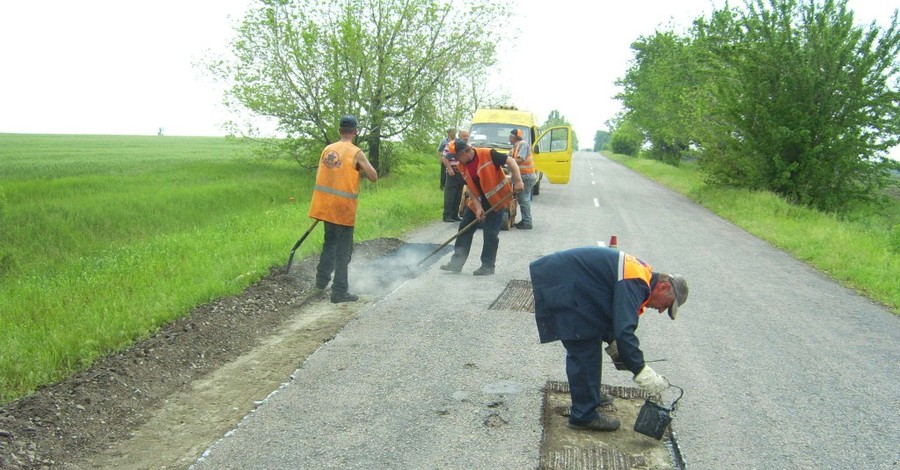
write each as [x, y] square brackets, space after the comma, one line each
[584, 363]
[452, 195]
[336, 253]
[491, 229]
[443, 174]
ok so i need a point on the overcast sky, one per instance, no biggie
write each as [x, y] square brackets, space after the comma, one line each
[127, 67]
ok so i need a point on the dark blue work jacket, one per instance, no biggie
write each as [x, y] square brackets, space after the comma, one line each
[592, 293]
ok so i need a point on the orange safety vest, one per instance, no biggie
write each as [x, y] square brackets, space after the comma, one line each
[631, 267]
[334, 197]
[528, 165]
[492, 179]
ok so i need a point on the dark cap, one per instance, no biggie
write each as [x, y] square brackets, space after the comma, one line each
[679, 285]
[517, 133]
[349, 122]
[456, 146]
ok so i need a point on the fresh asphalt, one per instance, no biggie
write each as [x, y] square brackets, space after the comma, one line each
[781, 366]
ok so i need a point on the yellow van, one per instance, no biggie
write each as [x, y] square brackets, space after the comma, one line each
[552, 148]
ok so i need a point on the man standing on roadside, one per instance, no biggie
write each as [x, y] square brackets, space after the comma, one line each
[584, 296]
[442, 151]
[521, 152]
[453, 185]
[482, 170]
[334, 201]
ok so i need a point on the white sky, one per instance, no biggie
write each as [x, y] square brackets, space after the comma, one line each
[127, 67]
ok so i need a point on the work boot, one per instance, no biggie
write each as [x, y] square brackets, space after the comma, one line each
[337, 298]
[450, 267]
[523, 226]
[600, 423]
[483, 271]
[606, 400]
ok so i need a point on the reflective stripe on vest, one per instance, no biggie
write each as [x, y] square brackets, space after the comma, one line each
[489, 177]
[335, 195]
[633, 268]
[528, 165]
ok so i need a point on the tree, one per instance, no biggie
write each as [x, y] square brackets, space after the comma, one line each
[601, 138]
[808, 103]
[396, 64]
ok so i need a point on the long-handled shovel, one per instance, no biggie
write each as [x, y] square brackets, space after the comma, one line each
[463, 230]
[297, 245]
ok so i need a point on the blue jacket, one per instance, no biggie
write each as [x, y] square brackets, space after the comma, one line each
[592, 293]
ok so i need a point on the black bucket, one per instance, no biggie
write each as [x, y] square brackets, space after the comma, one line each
[654, 419]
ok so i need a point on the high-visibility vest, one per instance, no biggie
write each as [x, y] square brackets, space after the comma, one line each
[528, 165]
[631, 267]
[336, 193]
[492, 179]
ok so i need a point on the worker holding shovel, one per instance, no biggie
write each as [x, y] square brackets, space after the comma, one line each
[482, 170]
[334, 201]
[585, 296]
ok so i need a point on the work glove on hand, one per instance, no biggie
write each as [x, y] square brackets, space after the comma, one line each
[613, 352]
[650, 381]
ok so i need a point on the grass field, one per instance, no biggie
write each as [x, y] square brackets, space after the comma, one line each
[104, 238]
[860, 249]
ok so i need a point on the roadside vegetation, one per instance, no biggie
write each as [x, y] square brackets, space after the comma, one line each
[860, 248]
[105, 238]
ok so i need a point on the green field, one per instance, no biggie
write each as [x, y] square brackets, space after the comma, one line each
[105, 238]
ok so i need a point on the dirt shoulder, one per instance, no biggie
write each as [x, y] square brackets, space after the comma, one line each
[163, 401]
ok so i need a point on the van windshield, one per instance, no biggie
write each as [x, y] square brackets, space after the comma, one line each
[494, 135]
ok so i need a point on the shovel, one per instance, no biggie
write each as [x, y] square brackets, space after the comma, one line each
[297, 245]
[462, 231]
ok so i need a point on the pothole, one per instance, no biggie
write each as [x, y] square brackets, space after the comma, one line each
[517, 296]
[564, 448]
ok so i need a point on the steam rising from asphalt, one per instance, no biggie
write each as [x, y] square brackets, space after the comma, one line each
[383, 275]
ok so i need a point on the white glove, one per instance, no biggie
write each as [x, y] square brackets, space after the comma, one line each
[650, 381]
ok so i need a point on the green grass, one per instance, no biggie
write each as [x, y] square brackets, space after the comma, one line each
[860, 249]
[105, 238]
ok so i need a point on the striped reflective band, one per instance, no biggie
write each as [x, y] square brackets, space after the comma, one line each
[495, 189]
[338, 193]
[621, 265]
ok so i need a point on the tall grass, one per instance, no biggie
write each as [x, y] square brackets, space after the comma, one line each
[105, 238]
[859, 248]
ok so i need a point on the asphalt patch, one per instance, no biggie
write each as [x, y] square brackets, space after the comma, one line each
[517, 296]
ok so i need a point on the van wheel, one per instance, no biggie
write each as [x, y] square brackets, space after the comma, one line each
[537, 187]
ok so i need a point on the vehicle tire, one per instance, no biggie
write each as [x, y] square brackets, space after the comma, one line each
[537, 186]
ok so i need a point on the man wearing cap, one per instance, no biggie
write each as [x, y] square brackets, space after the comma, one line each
[453, 184]
[482, 170]
[585, 296]
[521, 152]
[334, 201]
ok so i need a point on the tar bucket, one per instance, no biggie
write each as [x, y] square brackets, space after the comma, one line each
[654, 418]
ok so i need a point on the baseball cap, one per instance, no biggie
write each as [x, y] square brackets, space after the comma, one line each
[456, 146]
[679, 285]
[517, 133]
[349, 122]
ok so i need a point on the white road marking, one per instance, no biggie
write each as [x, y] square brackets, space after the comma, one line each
[596, 202]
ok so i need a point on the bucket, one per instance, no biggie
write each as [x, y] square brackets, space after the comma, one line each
[654, 418]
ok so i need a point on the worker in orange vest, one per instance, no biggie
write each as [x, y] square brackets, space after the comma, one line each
[521, 152]
[482, 170]
[334, 201]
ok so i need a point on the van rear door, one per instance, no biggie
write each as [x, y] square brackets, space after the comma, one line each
[553, 153]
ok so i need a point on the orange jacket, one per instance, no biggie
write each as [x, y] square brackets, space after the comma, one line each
[631, 267]
[490, 178]
[334, 197]
[527, 165]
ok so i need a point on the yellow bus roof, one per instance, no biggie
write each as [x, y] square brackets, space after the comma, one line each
[504, 116]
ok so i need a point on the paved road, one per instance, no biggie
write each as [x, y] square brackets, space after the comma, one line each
[782, 368]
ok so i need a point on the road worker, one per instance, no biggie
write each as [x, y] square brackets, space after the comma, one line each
[482, 170]
[334, 201]
[585, 296]
[521, 152]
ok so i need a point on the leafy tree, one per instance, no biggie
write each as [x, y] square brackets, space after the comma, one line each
[627, 138]
[601, 138]
[401, 66]
[807, 104]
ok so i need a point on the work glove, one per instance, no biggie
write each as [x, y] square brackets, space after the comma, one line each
[613, 352]
[650, 381]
